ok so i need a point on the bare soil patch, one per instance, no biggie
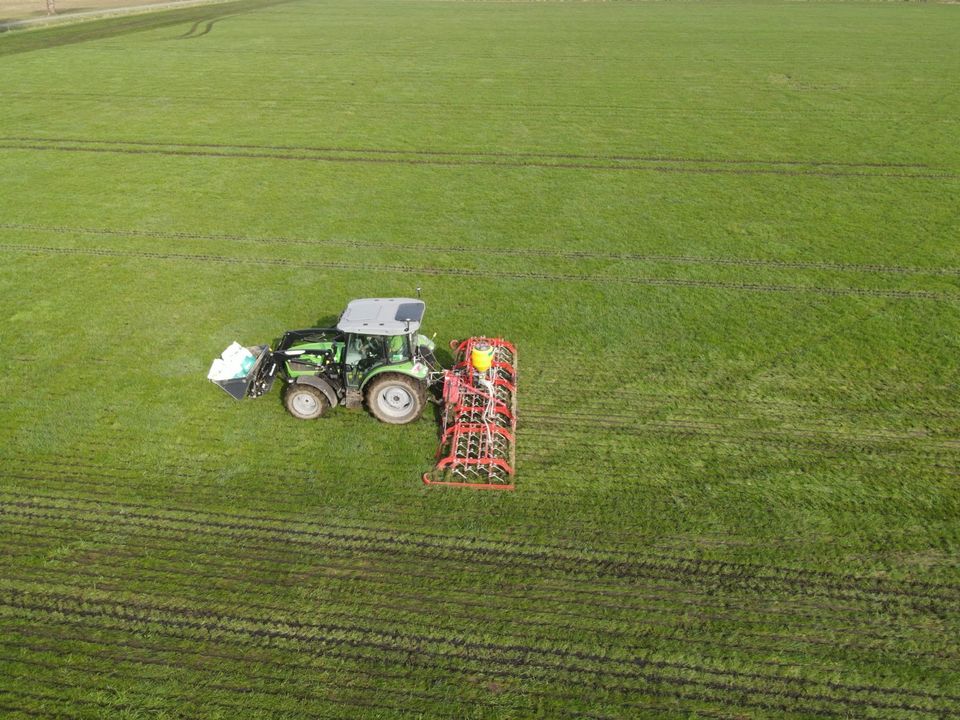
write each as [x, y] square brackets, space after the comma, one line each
[18, 10]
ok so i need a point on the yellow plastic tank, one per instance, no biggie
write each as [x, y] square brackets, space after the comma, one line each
[481, 356]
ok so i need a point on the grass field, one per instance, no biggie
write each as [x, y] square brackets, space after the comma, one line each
[724, 237]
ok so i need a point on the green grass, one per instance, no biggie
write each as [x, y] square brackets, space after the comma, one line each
[723, 237]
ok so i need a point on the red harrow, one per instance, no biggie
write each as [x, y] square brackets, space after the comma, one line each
[477, 445]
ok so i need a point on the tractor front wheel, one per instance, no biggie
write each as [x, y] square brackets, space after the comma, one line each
[305, 402]
[396, 399]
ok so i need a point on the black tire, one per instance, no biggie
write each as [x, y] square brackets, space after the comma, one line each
[396, 399]
[305, 402]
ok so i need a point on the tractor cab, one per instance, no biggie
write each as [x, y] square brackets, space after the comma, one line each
[379, 333]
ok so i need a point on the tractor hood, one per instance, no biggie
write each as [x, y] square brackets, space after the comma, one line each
[382, 316]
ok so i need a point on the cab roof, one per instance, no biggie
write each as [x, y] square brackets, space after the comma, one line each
[382, 316]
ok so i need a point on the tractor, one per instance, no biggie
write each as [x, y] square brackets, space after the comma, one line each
[374, 356]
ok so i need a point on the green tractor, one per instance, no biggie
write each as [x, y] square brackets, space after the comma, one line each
[374, 356]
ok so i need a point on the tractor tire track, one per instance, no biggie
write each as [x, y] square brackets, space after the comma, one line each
[307, 696]
[575, 546]
[286, 665]
[206, 482]
[576, 424]
[223, 153]
[725, 574]
[927, 295]
[209, 480]
[414, 609]
[547, 660]
[535, 416]
[563, 434]
[69, 504]
[237, 709]
[545, 604]
[597, 415]
[465, 153]
[563, 429]
[300, 696]
[571, 111]
[559, 431]
[722, 261]
[547, 387]
[265, 559]
[413, 661]
[139, 23]
[760, 408]
[766, 678]
[422, 540]
[415, 538]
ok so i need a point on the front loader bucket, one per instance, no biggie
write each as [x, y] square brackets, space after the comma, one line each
[256, 382]
[478, 440]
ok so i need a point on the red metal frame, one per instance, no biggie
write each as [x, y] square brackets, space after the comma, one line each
[478, 442]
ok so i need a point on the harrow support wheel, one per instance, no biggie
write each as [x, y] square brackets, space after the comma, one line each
[396, 399]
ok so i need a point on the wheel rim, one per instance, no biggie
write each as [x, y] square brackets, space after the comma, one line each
[304, 403]
[395, 401]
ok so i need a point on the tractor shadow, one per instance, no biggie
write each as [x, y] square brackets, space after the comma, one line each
[327, 321]
[323, 322]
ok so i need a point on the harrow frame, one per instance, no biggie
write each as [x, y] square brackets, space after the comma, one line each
[478, 435]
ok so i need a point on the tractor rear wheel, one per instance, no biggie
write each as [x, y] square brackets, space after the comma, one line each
[396, 399]
[305, 402]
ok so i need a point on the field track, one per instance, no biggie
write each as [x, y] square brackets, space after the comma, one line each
[349, 638]
[500, 274]
[696, 166]
[509, 252]
[721, 236]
